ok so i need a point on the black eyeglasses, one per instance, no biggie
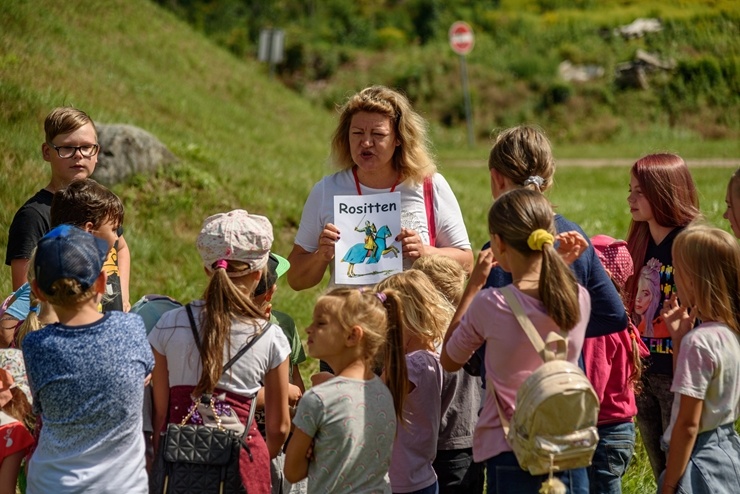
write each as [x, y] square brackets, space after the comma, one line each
[86, 151]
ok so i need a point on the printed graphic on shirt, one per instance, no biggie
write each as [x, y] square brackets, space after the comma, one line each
[113, 299]
[654, 285]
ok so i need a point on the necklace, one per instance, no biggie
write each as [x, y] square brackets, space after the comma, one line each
[525, 279]
[357, 182]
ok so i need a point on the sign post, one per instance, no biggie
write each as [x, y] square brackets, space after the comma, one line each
[462, 42]
[270, 47]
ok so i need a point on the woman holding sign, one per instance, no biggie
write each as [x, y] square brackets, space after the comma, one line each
[381, 146]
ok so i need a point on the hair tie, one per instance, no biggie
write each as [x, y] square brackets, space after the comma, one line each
[536, 180]
[538, 238]
[222, 263]
[381, 296]
[35, 309]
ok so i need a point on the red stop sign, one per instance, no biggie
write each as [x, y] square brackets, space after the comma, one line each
[461, 38]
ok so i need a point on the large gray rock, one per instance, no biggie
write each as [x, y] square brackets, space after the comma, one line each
[126, 150]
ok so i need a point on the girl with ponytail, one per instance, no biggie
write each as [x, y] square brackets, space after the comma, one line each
[345, 426]
[523, 245]
[190, 349]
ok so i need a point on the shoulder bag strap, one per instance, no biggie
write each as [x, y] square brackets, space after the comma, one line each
[194, 328]
[531, 332]
[429, 206]
[238, 355]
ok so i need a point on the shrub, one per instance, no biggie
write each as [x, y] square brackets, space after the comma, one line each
[390, 37]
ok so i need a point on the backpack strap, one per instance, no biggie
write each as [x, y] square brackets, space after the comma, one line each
[529, 329]
[537, 343]
[429, 206]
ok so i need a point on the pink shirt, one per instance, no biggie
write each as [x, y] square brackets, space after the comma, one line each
[510, 357]
[608, 363]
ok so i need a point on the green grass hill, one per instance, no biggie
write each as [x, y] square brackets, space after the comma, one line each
[243, 140]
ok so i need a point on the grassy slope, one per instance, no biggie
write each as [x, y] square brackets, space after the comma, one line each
[244, 140]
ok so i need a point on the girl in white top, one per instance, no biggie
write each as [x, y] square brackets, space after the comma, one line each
[234, 247]
[426, 314]
[345, 426]
[703, 446]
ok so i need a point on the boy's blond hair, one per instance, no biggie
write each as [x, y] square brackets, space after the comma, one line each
[447, 276]
[63, 120]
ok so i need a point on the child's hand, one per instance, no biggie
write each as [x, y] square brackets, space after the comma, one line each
[294, 394]
[678, 319]
[482, 268]
[571, 245]
[309, 451]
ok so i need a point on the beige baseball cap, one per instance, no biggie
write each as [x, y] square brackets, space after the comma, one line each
[235, 236]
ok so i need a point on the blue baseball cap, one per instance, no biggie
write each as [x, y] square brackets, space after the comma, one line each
[69, 252]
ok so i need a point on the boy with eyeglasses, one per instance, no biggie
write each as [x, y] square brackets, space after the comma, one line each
[71, 148]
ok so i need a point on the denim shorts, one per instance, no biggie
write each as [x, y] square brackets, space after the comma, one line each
[505, 476]
[714, 465]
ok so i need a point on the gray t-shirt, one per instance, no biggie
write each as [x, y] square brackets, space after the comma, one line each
[353, 423]
[461, 400]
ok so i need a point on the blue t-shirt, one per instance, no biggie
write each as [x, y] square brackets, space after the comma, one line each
[88, 385]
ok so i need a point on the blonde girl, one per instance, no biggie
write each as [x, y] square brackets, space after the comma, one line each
[522, 243]
[426, 314]
[703, 446]
[234, 248]
[461, 396]
[344, 427]
[663, 200]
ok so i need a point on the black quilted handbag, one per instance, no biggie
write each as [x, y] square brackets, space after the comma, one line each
[200, 459]
[197, 459]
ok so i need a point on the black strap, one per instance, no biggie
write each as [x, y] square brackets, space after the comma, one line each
[238, 355]
[242, 351]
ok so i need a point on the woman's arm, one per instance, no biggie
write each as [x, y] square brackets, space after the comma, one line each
[277, 417]
[298, 456]
[683, 439]
[475, 284]
[308, 268]
[160, 396]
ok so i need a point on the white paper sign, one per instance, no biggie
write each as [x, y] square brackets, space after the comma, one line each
[367, 251]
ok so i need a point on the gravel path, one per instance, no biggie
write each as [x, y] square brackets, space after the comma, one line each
[595, 163]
